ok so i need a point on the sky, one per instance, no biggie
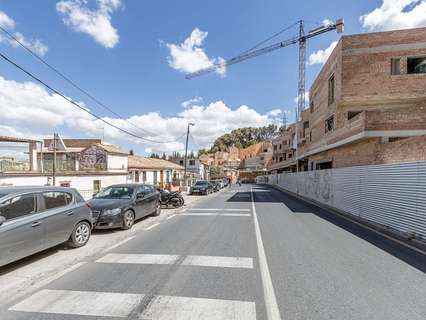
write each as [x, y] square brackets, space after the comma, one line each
[133, 56]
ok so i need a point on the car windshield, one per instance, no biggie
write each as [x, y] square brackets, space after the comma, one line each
[200, 183]
[115, 193]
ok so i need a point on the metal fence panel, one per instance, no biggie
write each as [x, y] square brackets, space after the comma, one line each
[392, 195]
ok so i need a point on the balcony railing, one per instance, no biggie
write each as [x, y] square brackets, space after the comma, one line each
[14, 165]
[61, 165]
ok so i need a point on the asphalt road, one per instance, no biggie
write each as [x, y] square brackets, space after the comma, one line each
[251, 252]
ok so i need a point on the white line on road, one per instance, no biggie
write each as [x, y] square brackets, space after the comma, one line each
[153, 226]
[110, 304]
[272, 310]
[191, 260]
[172, 216]
[119, 243]
[215, 214]
[218, 209]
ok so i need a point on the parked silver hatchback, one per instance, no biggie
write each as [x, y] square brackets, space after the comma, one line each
[33, 219]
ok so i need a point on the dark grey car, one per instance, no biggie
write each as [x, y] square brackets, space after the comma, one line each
[33, 219]
[119, 206]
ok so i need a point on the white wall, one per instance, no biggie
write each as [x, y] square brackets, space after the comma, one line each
[83, 183]
[117, 163]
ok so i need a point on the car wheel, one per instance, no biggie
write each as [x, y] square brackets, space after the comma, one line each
[157, 210]
[128, 220]
[80, 235]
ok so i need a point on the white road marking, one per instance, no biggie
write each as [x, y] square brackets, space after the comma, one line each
[172, 216]
[221, 262]
[83, 303]
[218, 209]
[272, 310]
[109, 304]
[119, 243]
[139, 258]
[215, 214]
[191, 260]
[153, 226]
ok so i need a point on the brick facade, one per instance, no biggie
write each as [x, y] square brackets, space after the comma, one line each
[364, 99]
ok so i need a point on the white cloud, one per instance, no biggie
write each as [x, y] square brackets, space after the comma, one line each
[274, 112]
[29, 110]
[395, 14]
[327, 22]
[191, 102]
[96, 22]
[190, 56]
[321, 56]
[296, 99]
[8, 23]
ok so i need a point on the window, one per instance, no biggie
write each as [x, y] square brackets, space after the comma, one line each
[280, 146]
[290, 155]
[181, 162]
[331, 90]
[395, 66]
[96, 186]
[56, 199]
[416, 65]
[281, 159]
[265, 150]
[167, 176]
[325, 165]
[329, 124]
[310, 136]
[192, 162]
[311, 107]
[262, 158]
[136, 176]
[144, 176]
[275, 148]
[305, 126]
[353, 114]
[285, 156]
[155, 177]
[18, 206]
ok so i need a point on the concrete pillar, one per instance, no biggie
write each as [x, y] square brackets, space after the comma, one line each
[32, 152]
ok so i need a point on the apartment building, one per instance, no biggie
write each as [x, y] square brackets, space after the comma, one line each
[367, 105]
[255, 160]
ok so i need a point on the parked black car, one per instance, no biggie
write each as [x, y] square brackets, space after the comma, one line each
[119, 206]
[174, 198]
[201, 187]
[33, 219]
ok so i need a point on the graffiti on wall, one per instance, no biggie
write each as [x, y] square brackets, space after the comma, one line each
[93, 158]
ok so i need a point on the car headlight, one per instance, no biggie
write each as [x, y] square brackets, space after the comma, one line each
[111, 212]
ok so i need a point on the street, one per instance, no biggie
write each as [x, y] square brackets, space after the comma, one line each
[249, 252]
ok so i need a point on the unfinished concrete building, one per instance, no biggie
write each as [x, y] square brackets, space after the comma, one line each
[367, 105]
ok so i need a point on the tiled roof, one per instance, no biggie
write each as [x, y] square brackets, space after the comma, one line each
[14, 139]
[75, 143]
[138, 162]
[110, 148]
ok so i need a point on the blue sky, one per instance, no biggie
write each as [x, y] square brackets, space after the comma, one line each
[122, 56]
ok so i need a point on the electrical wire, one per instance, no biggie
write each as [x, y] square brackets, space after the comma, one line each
[269, 38]
[71, 82]
[71, 101]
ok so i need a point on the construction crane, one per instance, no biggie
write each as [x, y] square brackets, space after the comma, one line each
[301, 40]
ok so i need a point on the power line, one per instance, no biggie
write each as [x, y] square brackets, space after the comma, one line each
[269, 38]
[63, 76]
[71, 101]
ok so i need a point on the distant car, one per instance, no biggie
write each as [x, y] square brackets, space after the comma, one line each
[201, 187]
[216, 185]
[33, 219]
[119, 206]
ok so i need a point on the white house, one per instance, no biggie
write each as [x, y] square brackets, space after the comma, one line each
[85, 164]
[154, 171]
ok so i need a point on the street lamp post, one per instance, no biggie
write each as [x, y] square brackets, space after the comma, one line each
[186, 154]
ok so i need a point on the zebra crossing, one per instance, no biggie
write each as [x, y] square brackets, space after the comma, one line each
[145, 305]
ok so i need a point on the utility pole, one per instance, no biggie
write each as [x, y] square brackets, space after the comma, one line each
[54, 161]
[186, 154]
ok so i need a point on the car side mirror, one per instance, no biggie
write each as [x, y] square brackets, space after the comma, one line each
[2, 220]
